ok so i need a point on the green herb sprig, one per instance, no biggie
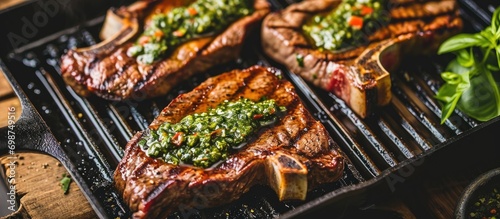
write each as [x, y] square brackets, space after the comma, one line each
[65, 181]
[472, 79]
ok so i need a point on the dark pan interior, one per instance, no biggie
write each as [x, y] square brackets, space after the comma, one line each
[88, 134]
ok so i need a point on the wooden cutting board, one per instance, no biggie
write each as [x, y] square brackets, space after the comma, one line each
[37, 176]
[37, 181]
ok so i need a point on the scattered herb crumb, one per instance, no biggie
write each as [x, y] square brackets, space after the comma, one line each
[300, 59]
[65, 181]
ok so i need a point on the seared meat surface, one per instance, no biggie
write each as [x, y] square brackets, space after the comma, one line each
[107, 71]
[360, 75]
[292, 156]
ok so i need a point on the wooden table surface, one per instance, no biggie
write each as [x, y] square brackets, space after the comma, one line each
[41, 196]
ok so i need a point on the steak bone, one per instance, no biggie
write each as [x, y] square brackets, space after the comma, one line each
[287, 176]
[119, 26]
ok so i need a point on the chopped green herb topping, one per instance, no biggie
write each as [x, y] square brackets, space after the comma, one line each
[343, 27]
[202, 139]
[185, 23]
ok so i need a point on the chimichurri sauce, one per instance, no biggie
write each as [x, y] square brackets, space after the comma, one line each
[202, 139]
[347, 25]
[184, 23]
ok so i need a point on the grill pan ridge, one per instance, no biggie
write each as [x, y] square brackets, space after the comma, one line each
[87, 134]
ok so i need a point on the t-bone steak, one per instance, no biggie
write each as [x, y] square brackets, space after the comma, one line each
[292, 156]
[107, 71]
[360, 75]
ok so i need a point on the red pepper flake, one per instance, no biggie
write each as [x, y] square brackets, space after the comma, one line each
[192, 11]
[144, 39]
[493, 211]
[178, 33]
[356, 22]
[216, 132]
[158, 33]
[178, 138]
[366, 10]
[257, 116]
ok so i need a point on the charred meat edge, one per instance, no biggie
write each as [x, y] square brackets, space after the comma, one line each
[294, 156]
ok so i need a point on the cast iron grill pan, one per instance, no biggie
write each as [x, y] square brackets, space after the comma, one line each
[87, 134]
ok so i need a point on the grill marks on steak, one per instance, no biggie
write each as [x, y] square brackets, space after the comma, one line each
[107, 71]
[292, 156]
[359, 76]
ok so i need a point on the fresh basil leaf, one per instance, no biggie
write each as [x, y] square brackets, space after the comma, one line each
[455, 84]
[495, 23]
[465, 57]
[492, 62]
[488, 37]
[448, 105]
[456, 68]
[470, 83]
[481, 101]
[492, 67]
[451, 78]
[462, 41]
[497, 49]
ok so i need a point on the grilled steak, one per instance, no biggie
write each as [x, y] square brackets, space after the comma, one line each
[107, 71]
[292, 156]
[360, 75]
